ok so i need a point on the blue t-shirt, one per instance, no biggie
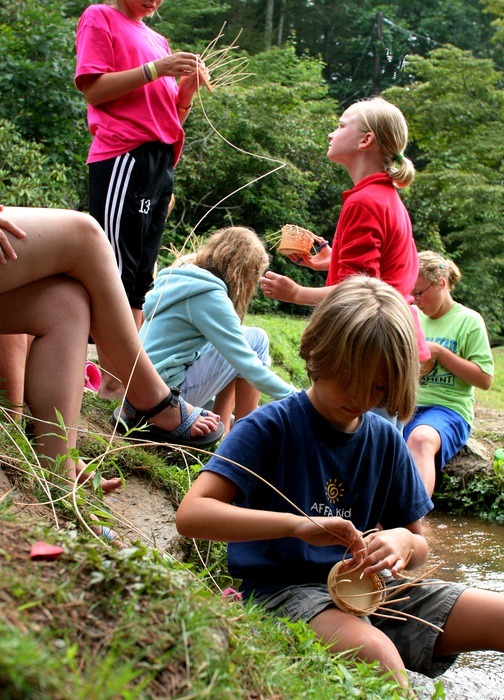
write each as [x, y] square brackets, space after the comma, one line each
[367, 477]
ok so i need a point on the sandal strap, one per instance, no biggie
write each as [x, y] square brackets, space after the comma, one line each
[172, 399]
[183, 430]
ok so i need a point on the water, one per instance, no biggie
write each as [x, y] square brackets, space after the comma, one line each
[470, 551]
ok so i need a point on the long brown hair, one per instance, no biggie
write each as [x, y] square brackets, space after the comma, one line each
[238, 257]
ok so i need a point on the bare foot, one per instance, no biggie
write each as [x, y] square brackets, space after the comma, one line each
[107, 485]
[112, 391]
[111, 387]
[107, 534]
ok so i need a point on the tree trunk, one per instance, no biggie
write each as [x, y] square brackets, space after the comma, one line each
[281, 21]
[268, 28]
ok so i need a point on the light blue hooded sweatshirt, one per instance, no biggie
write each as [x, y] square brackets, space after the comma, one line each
[189, 307]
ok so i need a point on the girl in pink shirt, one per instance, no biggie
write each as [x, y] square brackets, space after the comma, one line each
[136, 111]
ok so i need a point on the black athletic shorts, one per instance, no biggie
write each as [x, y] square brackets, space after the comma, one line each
[129, 197]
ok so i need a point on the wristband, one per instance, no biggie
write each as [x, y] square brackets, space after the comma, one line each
[146, 74]
[152, 70]
[184, 109]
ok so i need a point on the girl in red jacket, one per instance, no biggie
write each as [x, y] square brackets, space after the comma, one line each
[373, 235]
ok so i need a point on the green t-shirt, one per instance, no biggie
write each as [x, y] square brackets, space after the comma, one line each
[462, 331]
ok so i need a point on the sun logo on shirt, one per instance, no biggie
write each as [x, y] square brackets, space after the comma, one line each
[334, 490]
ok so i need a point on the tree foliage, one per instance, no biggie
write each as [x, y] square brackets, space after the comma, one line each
[37, 63]
[437, 60]
[255, 155]
[455, 110]
[364, 43]
[28, 177]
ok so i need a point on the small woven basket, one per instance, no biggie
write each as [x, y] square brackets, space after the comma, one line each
[295, 240]
[354, 592]
[204, 79]
[427, 366]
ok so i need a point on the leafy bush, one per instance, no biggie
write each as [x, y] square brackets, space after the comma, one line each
[28, 176]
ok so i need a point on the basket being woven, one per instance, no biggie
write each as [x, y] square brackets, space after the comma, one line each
[295, 240]
[204, 79]
[354, 592]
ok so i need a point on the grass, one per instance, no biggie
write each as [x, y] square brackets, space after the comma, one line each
[103, 624]
[284, 333]
[100, 623]
[494, 397]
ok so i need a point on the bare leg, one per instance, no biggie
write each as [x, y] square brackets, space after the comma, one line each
[13, 350]
[424, 442]
[72, 243]
[111, 387]
[342, 631]
[224, 404]
[56, 312]
[247, 398]
[238, 397]
[475, 623]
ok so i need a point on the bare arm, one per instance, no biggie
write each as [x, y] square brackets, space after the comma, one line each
[280, 287]
[396, 549]
[464, 369]
[106, 87]
[206, 513]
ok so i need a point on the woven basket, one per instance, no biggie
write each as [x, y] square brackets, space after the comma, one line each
[204, 79]
[427, 366]
[295, 240]
[354, 592]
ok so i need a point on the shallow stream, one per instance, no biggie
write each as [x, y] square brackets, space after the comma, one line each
[470, 551]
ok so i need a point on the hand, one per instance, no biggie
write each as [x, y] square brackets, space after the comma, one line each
[324, 532]
[434, 349]
[320, 261]
[388, 549]
[279, 287]
[190, 83]
[178, 65]
[7, 252]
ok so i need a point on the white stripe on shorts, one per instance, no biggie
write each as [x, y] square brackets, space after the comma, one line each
[116, 194]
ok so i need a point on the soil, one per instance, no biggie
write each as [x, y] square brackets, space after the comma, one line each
[145, 513]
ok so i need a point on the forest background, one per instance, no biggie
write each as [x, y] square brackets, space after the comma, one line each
[440, 61]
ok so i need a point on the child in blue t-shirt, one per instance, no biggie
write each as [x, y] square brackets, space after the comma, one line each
[300, 480]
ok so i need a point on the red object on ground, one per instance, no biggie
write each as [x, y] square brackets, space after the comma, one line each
[231, 594]
[41, 551]
[92, 377]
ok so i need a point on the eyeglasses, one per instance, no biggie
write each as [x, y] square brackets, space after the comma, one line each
[417, 295]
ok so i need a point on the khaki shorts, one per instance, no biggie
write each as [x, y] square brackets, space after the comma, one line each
[432, 602]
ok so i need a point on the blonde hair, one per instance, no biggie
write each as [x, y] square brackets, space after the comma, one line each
[390, 130]
[237, 256]
[362, 326]
[433, 266]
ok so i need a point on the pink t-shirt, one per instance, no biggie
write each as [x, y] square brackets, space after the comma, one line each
[108, 41]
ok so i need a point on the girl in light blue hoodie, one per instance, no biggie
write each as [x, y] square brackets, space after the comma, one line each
[193, 330]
